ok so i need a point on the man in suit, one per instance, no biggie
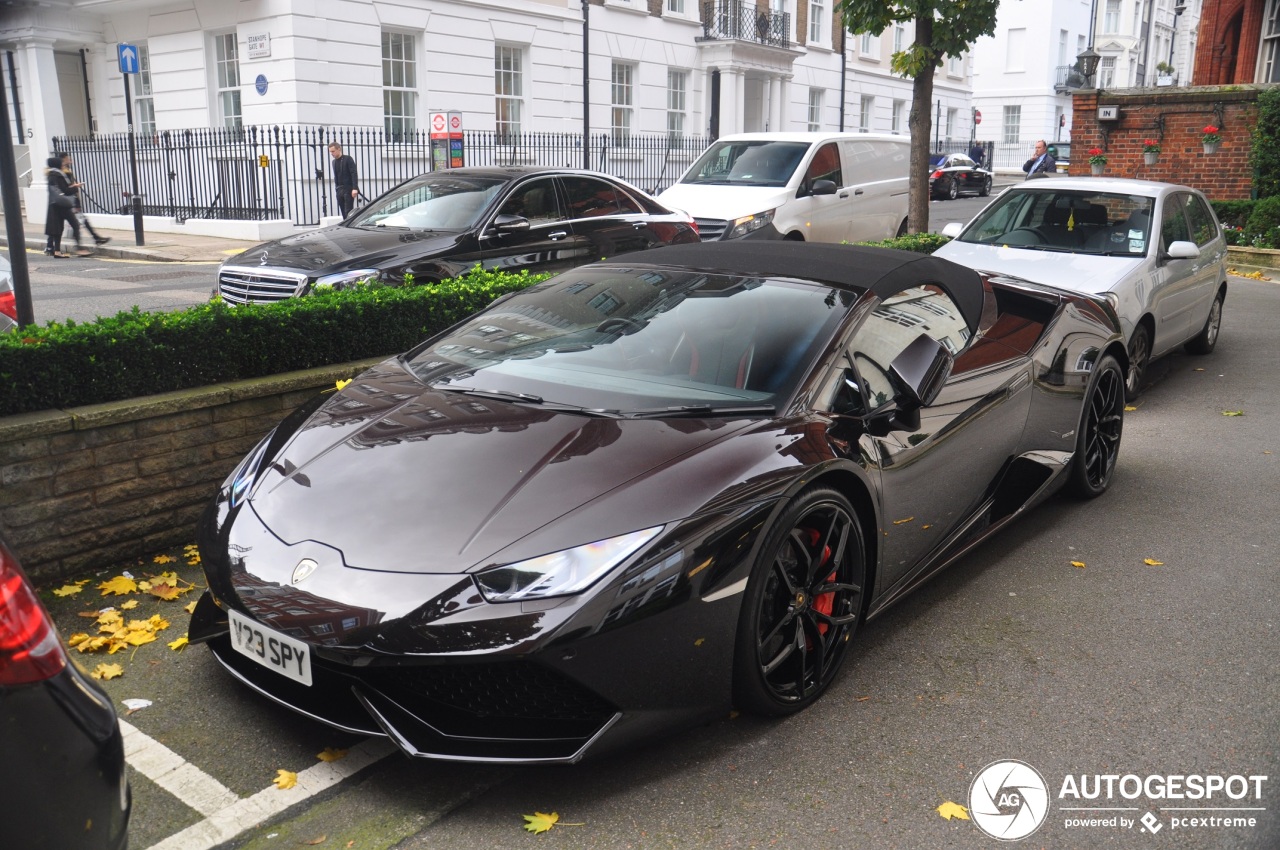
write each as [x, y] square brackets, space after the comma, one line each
[344, 179]
[977, 153]
[1042, 163]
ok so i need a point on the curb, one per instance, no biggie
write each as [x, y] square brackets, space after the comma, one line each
[36, 243]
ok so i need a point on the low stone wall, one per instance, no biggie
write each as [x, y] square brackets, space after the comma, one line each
[96, 486]
[1264, 257]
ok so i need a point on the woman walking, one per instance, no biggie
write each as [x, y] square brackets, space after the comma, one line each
[62, 204]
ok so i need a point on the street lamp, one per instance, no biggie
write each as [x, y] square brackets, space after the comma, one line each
[1088, 61]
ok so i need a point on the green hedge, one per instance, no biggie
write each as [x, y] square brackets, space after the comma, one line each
[1233, 213]
[921, 243]
[136, 354]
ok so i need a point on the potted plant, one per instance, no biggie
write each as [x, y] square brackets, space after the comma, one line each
[1097, 161]
[1210, 139]
[1164, 74]
[1150, 151]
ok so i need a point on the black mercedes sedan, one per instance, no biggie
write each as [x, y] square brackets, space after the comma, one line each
[954, 174]
[646, 490]
[444, 223]
[64, 785]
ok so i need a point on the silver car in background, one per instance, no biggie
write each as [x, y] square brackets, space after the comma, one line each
[1154, 250]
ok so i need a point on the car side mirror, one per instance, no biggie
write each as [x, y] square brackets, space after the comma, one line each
[953, 229]
[507, 223]
[1181, 250]
[823, 187]
[920, 371]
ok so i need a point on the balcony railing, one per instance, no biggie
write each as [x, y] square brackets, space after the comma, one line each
[1070, 78]
[731, 19]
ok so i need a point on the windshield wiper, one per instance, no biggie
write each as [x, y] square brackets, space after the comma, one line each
[696, 410]
[498, 395]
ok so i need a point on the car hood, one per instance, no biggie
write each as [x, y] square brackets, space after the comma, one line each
[398, 477]
[725, 202]
[1088, 273]
[340, 248]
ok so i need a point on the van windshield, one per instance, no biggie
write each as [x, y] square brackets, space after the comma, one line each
[747, 163]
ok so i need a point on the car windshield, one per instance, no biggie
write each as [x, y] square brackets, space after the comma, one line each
[1071, 221]
[749, 163]
[432, 202]
[641, 342]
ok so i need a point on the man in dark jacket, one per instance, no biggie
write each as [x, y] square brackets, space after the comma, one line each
[977, 153]
[344, 179]
[1041, 164]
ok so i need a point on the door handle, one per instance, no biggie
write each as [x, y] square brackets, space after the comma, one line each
[559, 234]
[639, 225]
[857, 191]
[846, 194]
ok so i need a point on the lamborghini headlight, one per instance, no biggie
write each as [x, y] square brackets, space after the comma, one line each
[562, 573]
[241, 481]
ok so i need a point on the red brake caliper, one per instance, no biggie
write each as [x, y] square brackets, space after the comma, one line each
[823, 603]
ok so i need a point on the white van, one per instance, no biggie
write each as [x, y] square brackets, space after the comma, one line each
[818, 187]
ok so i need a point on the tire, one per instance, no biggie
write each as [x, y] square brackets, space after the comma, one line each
[1139, 359]
[1098, 434]
[803, 603]
[1205, 341]
[986, 188]
[953, 191]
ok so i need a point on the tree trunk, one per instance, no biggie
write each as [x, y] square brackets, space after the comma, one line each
[920, 122]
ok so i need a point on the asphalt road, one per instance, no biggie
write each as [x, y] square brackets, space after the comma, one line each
[1114, 668]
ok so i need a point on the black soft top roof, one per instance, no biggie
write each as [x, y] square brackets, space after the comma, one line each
[882, 271]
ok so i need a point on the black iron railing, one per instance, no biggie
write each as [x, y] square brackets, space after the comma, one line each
[726, 19]
[1069, 78]
[284, 172]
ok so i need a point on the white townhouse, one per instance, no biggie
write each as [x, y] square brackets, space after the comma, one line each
[668, 68]
[1146, 42]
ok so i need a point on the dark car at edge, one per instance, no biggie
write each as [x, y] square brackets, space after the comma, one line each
[646, 490]
[442, 224]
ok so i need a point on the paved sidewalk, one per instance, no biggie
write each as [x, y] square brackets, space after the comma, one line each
[160, 247]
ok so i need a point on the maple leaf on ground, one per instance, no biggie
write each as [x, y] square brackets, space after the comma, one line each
[1152, 562]
[164, 559]
[120, 585]
[1233, 413]
[167, 592]
[1079, 564]
[539, 822]
[179, 643]
[1129, 408]
[285, 779]
[341, 384]
[107, 671]
[129, 605]
[330, 754]
[68, 590]
[190, 609]
[951, 810]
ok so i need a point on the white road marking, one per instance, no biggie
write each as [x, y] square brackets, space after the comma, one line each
[227, 815]
[174, 774]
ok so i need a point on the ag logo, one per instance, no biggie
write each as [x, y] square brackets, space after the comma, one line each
[1008, 800]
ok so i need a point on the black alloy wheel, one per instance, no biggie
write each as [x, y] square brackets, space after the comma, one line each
[953, 190]
[803, 603]
[1205, 341]
[1098, 436]
[1139, 358]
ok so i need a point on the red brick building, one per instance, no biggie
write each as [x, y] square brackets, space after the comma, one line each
[1239, 42]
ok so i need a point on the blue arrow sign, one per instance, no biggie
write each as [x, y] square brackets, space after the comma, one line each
[128, 55]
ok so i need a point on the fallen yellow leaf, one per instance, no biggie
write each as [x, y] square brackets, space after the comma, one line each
[167, 592]
[128, 605]
[190, 608]
[539, 822]
[342, 384]
[285, 779]
[951, 810]
[120, 585]
[179, 643]
[107, 671]
[67, 590]
[1233, 413]
[163, 559]
[901, 521]
[1129, 408]
[1152, 562]
[1079, 564]
[330, 754]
